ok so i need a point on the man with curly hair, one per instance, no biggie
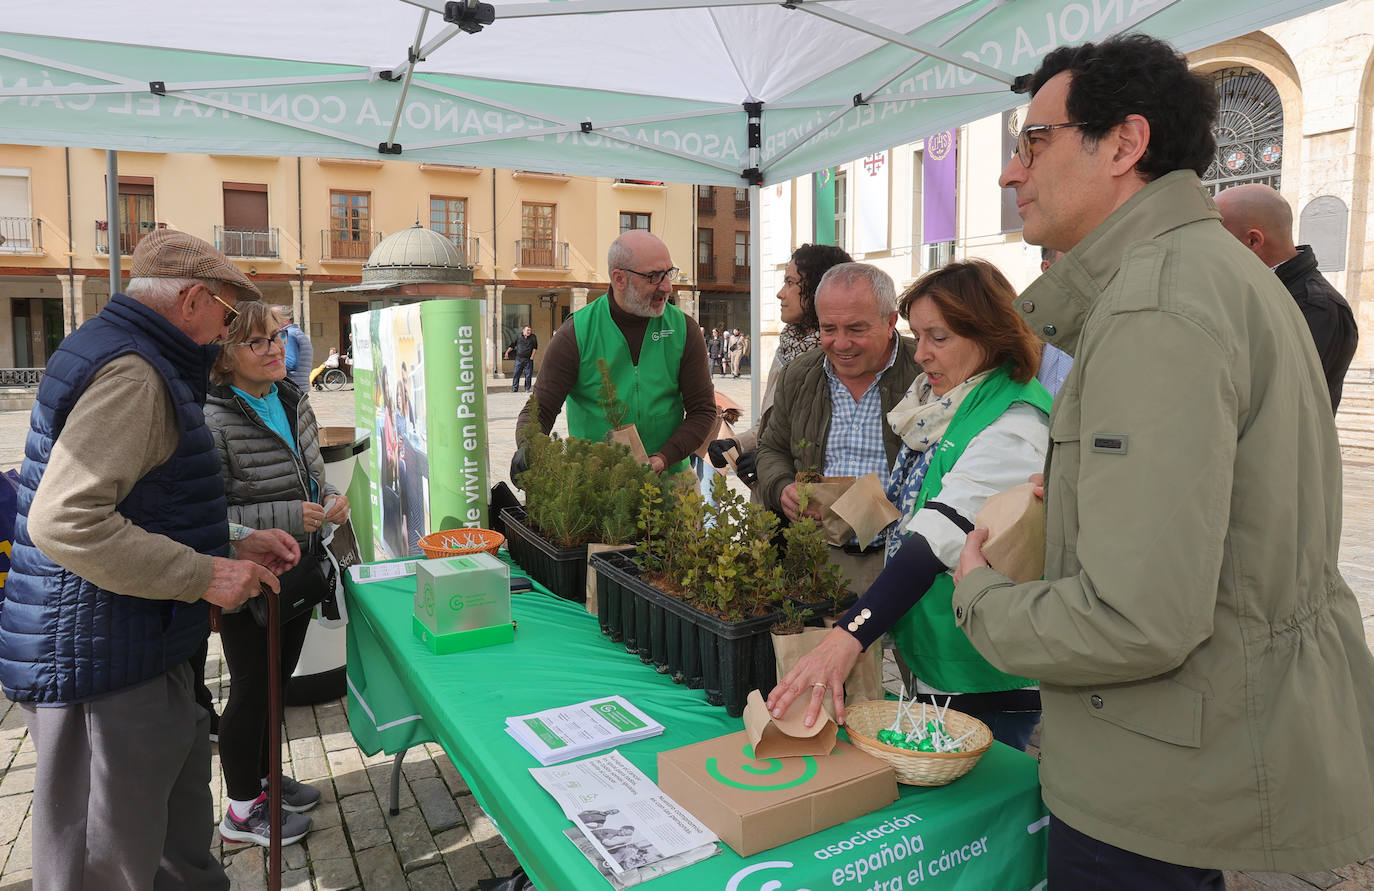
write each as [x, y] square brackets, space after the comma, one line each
[1208, 693]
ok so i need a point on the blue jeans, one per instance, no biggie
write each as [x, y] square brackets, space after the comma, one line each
[525, 366]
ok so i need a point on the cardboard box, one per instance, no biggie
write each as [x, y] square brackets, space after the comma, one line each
[755, 805]
[462, 602]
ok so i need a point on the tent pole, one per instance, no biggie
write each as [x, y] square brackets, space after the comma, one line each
[112, 219]
[753, 110]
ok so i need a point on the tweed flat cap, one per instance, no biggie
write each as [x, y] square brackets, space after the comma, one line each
[167, 253]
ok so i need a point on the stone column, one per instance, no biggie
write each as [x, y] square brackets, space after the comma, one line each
[579, 298]
[498, 346]
[300, 303]
[690, 302]
[73, 301]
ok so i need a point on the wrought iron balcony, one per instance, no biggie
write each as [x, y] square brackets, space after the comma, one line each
[20, 377]
[741, 273]
[235, 242]
[21, 235]
[540, 254]
[348, 244]
[706, 270]
[127, 240]
[470, 249]
[706, 201]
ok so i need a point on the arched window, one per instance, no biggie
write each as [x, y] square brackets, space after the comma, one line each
[1249, 131]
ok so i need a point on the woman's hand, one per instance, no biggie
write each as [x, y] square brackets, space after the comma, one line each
[1038, 481]
[824, 668]
[312, 516]
[335, 509]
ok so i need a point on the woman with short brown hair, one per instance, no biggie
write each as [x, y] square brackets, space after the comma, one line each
[975, 422]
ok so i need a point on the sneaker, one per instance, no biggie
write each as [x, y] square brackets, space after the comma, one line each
[255, 828]
[296, 797]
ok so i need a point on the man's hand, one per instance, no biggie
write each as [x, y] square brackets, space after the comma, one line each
[235, 581]
[717, 449]
[823, 669]
[657, 463]
[791, 503]
[971, 557]
[519, 463]
[274, 548]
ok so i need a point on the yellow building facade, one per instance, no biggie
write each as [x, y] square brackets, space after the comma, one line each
[302, 226]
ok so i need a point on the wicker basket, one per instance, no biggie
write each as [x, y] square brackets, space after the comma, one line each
[864, 720]
[433, 544]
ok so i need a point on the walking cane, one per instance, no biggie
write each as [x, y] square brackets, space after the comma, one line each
[273, 739]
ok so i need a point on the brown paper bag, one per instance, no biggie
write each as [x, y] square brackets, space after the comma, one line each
[593, 548]
[629, 435]
[865, 679]
[865, 508]
[823, 495]
[1015, 520]
[788, 736]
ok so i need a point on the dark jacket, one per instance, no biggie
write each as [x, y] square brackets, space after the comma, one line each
[801, 411]
[1328, 315]
[265, 478]
[62, 638]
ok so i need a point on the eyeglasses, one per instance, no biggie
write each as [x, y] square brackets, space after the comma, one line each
[261, 346]
[229, 312]
[1025, 151]
[656, 277]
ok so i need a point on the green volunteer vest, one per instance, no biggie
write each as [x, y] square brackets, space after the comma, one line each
[936, 649]
[649, 389]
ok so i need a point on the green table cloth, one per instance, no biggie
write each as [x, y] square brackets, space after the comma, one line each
[986, 830]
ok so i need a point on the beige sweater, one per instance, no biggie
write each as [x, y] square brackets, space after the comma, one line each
[120, 429]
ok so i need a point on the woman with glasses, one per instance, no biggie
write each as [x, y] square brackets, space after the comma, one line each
[801, 332]
[268, 442]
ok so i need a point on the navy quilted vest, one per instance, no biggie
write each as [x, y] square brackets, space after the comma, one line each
[63, 639]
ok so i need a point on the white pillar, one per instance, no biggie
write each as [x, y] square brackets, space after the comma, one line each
[690, 303]
[498, 317]
[579, 298]
[73, 301]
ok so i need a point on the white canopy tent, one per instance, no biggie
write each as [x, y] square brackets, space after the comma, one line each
[724, 92]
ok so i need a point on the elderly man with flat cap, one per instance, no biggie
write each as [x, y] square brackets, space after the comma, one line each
[121, 546]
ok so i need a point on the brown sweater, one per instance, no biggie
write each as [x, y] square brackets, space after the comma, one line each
[562, 361]
[121, 428]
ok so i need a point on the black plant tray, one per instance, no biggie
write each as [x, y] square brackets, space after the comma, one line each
[562, 570]
[724, 659]
[821, 609]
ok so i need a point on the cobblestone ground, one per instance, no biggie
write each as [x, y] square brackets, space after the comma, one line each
[441, 839]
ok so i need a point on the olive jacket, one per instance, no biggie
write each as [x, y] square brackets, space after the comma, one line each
[1208, 693]
[801, 414]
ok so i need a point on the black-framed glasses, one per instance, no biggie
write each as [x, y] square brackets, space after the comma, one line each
[229, 312]
[261, 346]
[1025, 151]
[656, 277]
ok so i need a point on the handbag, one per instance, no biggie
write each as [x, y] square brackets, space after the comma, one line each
[303, 586]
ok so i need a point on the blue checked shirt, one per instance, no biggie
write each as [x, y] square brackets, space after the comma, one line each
[1054, 367]
[855, 444]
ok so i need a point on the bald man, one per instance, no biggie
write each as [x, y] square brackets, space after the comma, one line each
[1263, 221]
[655, 354]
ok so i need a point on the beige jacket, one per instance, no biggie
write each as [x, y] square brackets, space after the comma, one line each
[1208, 692]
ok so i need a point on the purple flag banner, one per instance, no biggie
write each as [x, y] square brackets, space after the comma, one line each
[940, 175]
